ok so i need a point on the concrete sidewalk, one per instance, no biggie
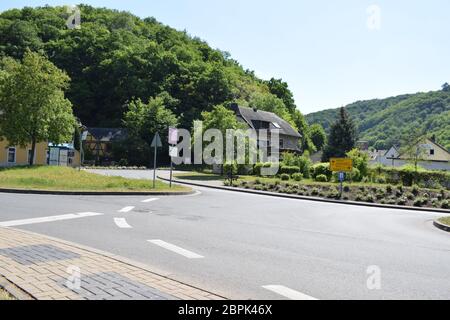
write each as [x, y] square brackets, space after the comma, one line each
[53, 269]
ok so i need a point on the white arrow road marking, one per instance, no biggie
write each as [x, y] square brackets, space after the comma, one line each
[176, 249]
[122, 223]
[71, 216]
[289, 293]
[149, 200]
[126, 209]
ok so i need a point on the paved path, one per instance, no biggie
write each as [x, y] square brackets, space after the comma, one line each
[245, 246]
[49, 269]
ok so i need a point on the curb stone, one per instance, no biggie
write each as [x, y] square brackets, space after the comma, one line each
[96, 193]
[296, 197]
[441, 226]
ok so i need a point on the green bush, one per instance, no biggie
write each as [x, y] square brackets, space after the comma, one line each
[415, 189]
[389, 188]
[321, 169]
[230, 167]
[445, 204]
[321, 178]
[419, 202]
[290, 170]
[297, 177]
[285, 177]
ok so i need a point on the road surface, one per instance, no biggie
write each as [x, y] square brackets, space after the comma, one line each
[247, 246]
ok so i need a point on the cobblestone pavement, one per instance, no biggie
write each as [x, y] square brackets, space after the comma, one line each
[52, 269]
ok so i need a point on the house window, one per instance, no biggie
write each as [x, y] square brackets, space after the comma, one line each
[281, 144]
[432, 152]
[11, 155]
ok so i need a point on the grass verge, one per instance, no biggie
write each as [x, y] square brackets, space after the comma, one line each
[69, 179]
[197, 176]
[445, 220]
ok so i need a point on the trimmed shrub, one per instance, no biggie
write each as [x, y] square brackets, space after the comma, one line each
[297, 177]
[230, 167]
[321, 169]
[445, 204]
[285, 177]
[290, 170]
[321, 178]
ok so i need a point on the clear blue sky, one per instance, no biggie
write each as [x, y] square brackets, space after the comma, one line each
[325, 50]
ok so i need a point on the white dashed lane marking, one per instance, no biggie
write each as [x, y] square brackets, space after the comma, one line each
[126, 209]
[71, 216]
[122, 223]
[171, 247]
[149, 200]
[289, 293]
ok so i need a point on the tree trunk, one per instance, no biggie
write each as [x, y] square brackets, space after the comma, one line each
[33, 149]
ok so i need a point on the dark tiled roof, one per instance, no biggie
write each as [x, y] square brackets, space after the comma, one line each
[251, 116]
[108, 134]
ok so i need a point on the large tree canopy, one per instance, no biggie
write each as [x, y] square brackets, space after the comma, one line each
[116, 57]
[33, 108]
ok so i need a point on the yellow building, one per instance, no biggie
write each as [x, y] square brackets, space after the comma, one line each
[18, 156]
[11, 156]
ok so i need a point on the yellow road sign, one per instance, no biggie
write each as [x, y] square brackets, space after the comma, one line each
[341, 165]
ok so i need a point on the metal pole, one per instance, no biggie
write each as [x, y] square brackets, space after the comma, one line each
[171, 167]
[81, 149]
[341, 187]
[154, 167]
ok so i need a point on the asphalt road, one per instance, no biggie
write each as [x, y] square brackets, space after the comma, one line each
[247, 246]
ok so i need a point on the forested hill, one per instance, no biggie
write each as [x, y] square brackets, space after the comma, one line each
[387, 121]
[116, 57]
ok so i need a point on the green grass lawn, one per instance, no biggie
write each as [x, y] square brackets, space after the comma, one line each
[445, 220]
[197, 176]
[68, 179]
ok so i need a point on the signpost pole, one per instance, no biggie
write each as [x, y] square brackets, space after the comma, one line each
[154, 166]
[171, 168]
[341, 186]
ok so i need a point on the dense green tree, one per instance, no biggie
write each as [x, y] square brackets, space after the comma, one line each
[446, 87]
[271, 103]
[33, 108]
[281, 89]
[143, 121]
[303, 128]
[116, 57]
[342, 137]
[318, 136]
